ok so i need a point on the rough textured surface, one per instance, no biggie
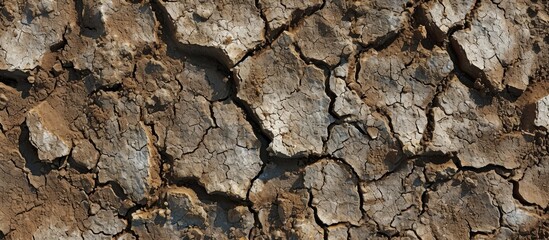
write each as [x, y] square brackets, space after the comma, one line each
[478, 137]
[371, 154]
[402, 84]
[227, 159]
[282, 203]
[274, 119]
[226, 29]
[533, 185]
[127, 153]
[185, 216]
[494, 46]
[40, 24]
[326, 179]
[443, 16]
[542, 113]
[48, 132]
[288, 97]
[395, 201]
[281, 13]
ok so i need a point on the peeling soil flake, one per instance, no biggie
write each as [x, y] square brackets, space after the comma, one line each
[274, 119]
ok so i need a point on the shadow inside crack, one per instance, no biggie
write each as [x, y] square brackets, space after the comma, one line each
[30, 154]
[16, 80]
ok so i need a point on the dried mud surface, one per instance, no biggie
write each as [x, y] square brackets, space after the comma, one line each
[274, 119]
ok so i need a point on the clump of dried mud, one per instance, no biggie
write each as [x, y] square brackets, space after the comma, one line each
[313, 119]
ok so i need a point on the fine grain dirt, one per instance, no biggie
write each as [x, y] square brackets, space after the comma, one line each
[274, 119]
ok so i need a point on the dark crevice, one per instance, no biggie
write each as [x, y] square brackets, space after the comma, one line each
[60, 45]
[317, 63]
[10, 82]
[379, 43]
[424, 201]
[79, 7]
[36, 166]
[116, 188]
[129, 220]
[338, 119]
[167, 31]
[430, 128]
[79, 167]
[16, 80]
[113, 185]
[518, 196]
[117, 87]
[266, 28]
[166, 168]
[212, 116]
[255, 213]
[250, 117]
[331, 95]
[318, 221]
[500, 170]
[357, 67]
[478, 83]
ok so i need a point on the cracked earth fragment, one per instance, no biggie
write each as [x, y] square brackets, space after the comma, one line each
[287, 97]
[227, 159]
[49, 132]
[280, 13]
[186, 216]
[479, 126]
[403, 86]
[326, 35]
[491, 46]
[127, 154]
[532, 187]
[542, 113]
[378, 20]
[40, 24]
[106, 49]
[370, 155]
[334, 119]
[453, 212]
[395, 201]
[101, 18]
[224, 30]
[334, 191]
[281, 201]
[442, 16]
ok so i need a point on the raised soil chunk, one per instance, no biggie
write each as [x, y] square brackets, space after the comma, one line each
[49, 132]
[222, 29]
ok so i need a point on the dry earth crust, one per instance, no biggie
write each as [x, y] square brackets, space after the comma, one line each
[274, 119]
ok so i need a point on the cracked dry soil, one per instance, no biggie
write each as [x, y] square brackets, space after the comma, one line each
[274, 119]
